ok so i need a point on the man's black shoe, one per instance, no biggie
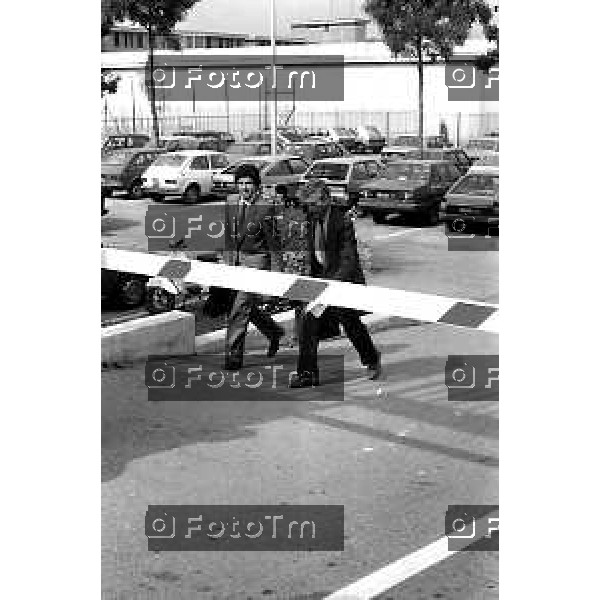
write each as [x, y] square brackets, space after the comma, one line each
[232, 366]
[274, 344]
[305, 379]
[374, 369]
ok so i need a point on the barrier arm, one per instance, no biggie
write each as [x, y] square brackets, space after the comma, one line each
[373, 299]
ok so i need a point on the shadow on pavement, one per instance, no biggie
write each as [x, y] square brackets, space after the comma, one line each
[133, 427]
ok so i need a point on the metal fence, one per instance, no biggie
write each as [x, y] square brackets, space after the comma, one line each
[460, 126]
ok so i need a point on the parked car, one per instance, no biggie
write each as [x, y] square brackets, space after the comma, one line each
[455, 155]
[210, 140]
[403, 144]
[185, 173]
[369, 139]
[343, 136]
[127, 290]
[344, 176]
[409, 188]
[475, 195]
[172, 143]
[284, 136]
[282, 171]
[125, 140]
[240, 149]
[122, 170]
[478, 147]
[313, 150]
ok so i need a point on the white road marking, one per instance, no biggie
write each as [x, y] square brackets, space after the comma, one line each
[386, 578]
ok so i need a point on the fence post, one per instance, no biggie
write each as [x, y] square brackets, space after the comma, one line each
[458, 119]
[387, 126]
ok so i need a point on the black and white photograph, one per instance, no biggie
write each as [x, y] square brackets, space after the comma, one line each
[300, 299]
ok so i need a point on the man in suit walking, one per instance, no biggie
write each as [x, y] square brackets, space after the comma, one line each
[251, 241]
[333, 254]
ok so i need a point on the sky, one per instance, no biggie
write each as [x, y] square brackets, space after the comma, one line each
[254, 16]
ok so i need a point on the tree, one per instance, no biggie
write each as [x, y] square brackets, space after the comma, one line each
[425, 28]
[158, 17]
[108, 82]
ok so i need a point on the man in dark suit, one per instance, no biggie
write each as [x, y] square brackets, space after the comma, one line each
[333, 255]
[250, 242]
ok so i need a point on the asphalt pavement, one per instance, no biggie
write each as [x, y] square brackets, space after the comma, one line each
[395, 453]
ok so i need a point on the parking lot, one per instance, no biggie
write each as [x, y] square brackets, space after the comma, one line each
[395, 453]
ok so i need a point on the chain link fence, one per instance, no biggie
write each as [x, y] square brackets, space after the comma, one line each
[460, 126]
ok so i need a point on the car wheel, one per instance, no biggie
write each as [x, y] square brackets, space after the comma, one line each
[192, 195]
[160, 301]
[135, 190]
[379, 218]
[131, 291]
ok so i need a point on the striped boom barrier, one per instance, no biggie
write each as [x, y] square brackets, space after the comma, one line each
[410, 305]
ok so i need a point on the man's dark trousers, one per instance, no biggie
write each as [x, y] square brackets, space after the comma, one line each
[307, 329]
[244, 311]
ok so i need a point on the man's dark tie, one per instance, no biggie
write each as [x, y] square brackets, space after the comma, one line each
[320, 242]
[241, 216]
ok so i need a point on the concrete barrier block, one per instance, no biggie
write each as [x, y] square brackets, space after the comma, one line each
[171, 333]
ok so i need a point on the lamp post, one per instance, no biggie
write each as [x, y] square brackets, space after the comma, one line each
[274, 91]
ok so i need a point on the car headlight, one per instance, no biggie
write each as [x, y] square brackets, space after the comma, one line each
[443, 205]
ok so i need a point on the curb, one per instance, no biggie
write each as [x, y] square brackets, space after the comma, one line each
[214, 342]
[169, 333]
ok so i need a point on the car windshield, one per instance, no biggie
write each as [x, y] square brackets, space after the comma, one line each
[484, 144]
[407, 170]
[170, 160]
[478, 184]
[259, 164]
[334, 171]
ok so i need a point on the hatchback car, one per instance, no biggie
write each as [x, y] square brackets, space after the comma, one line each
[369, 139]
[474, 197]
[186, 173]
[455, 155]
[409, 188]
[282, 171]
[344, 176]
[314, 150]
[122, 170]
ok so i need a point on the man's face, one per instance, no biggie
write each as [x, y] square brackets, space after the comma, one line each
[246, 188]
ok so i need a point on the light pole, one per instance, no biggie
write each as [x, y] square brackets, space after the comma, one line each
[274, 90]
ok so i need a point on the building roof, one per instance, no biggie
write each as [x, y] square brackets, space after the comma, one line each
[336, 22]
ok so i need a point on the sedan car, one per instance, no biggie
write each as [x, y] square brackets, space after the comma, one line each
[345, 176]
[474, 197]
[282, 171]
[455, 155]
[403, 144]
[343, 136]
[476, 148]
[186, 173]
[241, 149]
[122, 170]
[369, 139]
[125, 140]
[210, 140]
[409, 188]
